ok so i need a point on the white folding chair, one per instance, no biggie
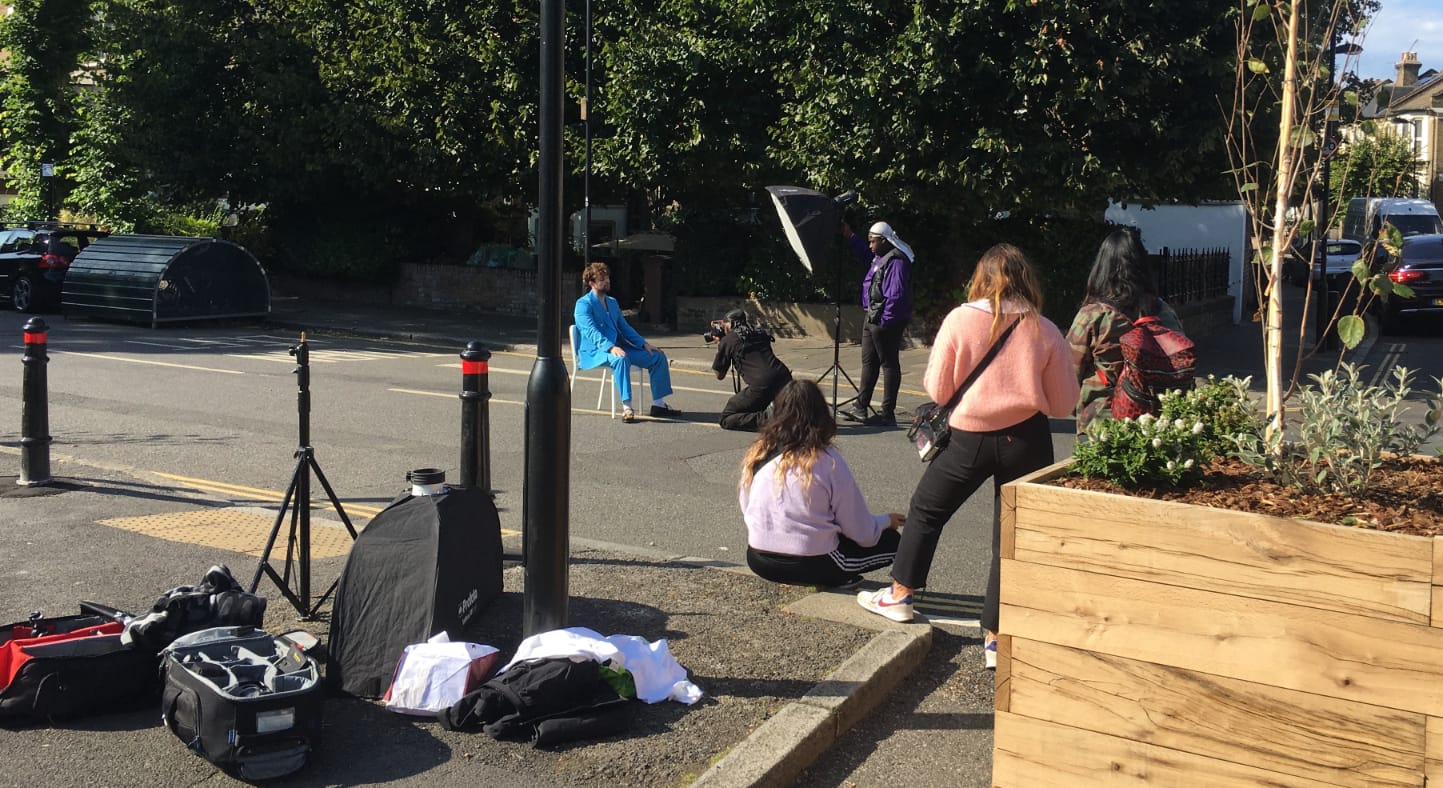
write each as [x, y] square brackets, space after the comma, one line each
[606, 384]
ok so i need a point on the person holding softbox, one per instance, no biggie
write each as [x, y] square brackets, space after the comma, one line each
[749, 350]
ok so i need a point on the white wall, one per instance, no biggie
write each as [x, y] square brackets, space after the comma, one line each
[1192, 227]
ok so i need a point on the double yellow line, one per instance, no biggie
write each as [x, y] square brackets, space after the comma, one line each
[231, 490]
[271, 496]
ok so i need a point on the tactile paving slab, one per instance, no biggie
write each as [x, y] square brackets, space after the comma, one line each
[233, 529]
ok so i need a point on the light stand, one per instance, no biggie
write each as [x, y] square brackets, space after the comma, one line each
[298, 542]
[835, 371]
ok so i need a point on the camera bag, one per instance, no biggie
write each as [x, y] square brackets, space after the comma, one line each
[245, 700]
[54, 669]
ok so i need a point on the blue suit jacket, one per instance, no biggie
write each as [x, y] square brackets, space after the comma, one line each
[601, 326]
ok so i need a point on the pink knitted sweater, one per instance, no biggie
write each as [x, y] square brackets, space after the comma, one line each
[1033, 371]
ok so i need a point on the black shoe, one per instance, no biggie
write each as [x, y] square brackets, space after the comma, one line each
[857, 413]
[660, 412]
[881, 420]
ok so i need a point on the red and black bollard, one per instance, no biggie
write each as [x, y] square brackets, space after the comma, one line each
[34, 408]
[475, 417]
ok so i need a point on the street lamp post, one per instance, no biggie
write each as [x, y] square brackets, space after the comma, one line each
[546, 487]
[586, 169]
[1329, 146]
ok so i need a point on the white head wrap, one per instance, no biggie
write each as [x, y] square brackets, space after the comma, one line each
[885, 230]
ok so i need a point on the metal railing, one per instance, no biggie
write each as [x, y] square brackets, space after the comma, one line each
[1189, 275]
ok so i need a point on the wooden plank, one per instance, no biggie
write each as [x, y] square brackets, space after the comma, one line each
[1433, 752]
[1029, 753]
[1381, 663]
[1329, 567]
[1437, 609]
[1002, 678]
[1330, 741]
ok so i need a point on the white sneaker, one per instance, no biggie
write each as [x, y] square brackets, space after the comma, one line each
[989, 655]
[882, 603]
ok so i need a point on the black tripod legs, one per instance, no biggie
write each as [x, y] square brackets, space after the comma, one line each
[297, 502]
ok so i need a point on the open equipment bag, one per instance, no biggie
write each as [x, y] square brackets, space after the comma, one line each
[245, 700]
[54, 669]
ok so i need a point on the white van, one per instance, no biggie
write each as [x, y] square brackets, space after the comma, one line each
[1411, 216]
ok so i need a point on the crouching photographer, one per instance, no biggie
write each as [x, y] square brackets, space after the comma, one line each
[749, 350]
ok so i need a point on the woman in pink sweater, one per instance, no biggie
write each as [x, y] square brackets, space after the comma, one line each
[999, 427]
[807, 522]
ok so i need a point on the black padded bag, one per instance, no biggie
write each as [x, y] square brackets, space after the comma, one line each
[72, 666]
[246, 701]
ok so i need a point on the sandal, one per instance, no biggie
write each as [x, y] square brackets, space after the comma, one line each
[628, 416]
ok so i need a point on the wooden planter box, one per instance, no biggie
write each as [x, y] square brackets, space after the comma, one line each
[1147, 642]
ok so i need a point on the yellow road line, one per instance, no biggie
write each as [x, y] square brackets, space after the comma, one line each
[226, 488]
[108, 357]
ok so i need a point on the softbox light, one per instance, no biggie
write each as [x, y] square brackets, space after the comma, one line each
[810, 219]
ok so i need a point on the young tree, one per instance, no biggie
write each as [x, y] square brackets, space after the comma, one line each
[1283, 90]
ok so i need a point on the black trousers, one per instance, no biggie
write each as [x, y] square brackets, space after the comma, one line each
[747, 409]
[880, 348]
[969, 459]
[839, 567]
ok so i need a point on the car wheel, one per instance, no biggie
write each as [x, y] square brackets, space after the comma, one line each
[22, 293]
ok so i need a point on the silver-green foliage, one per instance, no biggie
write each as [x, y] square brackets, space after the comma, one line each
[1346, 429]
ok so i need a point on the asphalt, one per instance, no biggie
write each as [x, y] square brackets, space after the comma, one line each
[778, 751]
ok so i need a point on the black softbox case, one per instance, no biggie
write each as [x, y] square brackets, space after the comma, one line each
[426, 563]
[54, 669]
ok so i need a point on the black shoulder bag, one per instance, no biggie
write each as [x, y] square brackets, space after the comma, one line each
[929, 431]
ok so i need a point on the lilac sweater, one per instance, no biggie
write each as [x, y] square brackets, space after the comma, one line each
[781, 518]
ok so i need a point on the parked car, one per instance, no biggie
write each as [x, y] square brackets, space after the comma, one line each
[1338, 254]
[1420, 267]
[34, 257]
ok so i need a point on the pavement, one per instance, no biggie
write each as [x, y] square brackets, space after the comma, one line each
[858, 720]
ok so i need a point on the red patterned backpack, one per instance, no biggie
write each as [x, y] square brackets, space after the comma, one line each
[1155, 359]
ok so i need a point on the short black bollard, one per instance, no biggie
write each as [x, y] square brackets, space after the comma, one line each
[475, 417]
[34, 408]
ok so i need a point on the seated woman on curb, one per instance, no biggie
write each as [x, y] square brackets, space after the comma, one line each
[807, 522]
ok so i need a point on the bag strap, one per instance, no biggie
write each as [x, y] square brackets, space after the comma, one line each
[981, 365]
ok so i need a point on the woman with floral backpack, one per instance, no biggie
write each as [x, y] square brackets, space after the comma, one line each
[1120, 290]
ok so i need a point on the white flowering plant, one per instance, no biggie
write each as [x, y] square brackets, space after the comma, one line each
[1148, 451]
[1172, 449]
[1223, 405]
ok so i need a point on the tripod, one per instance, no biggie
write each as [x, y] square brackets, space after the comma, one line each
[836, 370]
[298, 542]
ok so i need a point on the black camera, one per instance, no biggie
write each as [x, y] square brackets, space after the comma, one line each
[716, 332]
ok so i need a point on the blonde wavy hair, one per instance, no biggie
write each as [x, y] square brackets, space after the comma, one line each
[1004, 272]
[800, 429]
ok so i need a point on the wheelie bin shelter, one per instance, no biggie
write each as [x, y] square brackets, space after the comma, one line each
[160, 278]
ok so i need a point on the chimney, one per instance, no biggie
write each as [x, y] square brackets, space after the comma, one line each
[1407, 70]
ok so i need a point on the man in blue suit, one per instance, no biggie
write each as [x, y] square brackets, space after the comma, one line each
[606, 338]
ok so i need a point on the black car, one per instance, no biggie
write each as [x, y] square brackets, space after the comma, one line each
[34, 257]
[1420, 267]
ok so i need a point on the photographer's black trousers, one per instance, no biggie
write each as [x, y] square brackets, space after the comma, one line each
[747, 409]
[843, 565]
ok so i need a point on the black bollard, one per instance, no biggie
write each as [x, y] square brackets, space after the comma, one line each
[34, 408]
[475, 417]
